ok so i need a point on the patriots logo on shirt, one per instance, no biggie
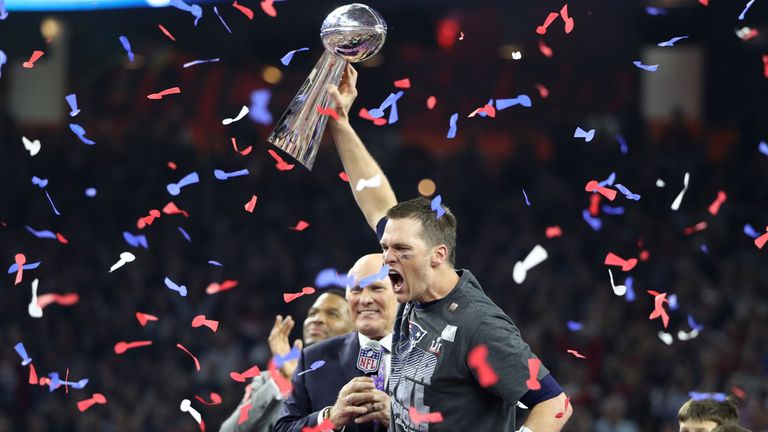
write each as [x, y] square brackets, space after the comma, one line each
[417, 332]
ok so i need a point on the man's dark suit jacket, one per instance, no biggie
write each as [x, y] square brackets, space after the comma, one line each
[318, 389]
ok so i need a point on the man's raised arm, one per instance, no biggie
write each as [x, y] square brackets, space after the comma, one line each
[358, 163]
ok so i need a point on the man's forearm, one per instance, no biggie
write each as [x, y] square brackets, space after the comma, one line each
[359, 164]
[543, 415]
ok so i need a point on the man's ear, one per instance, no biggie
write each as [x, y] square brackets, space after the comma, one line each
[439, 255]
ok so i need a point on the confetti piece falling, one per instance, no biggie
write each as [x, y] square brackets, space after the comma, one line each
[144, 318]
[431, 102]
[437, 206]
[594, 222]
[630, 296]
[391, 103]
[292, 355]
[522, 100]
[250, 205]
[593, 186]
[245, 10]
[327, 112]
[61, 299]
[330, 277]
[649, 68]
[194, 9]
[3, 60]
[175, 188]
[525, 195]
[214, 287]
[574, 326]
[765, 65]
[719, 397]
[372, 183]
[185, 234]
[567, 20]
[80, 133]
[25, 358]
[268, 7]
[186, 406]
[746, 8]
[243, 111]
[565, 408]
[746, 33]
[125, 257]
[72, 102]
[215, 263]
[97, 398]
[37, 181]
[20, 259]
[90, 192]
[417, 417]
[672, 41]
[452, 126]
[553, 232]
[216, 11]
[532, 382]
[127, 46]
[477, 359]
[613, 211]
[172, 209]
[3, 12]
[536, 256]
[666, 337]
[658, 310]
[31, 266]
[31, 62]
[382, 274]
[404, 83]
[760, 241]
[182, 290]
[622, 144]
[581, 133]
[136, 240]
[121, 347]
[762, 148]
[676, 203]
[221, 175]
[286, 59]
[627, 193]
[57, 382]
[197, 362]
[244, 152]
[363, 113]
[487, 109]
[544, 49]
[714, 208]
[575, 354]
[215, 399]
[619, 290]
[200, 320]
[259, 112]
[612, 259]
[166, 32]
[197, 62]
[542, 29]
[280, 164]
[313, 367]
[45, 234]
[250, 373]
[543, 91]
[32, 146]
[166, 92]
[301, 225]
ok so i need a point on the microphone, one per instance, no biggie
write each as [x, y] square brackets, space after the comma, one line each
[369, 361]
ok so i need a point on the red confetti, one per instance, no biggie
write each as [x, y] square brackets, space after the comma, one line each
[477, 359]
[542, 29]
[593, 186]
[250, 205]
[289, 297]
[565, 410]
[281, 164]
[32, 374]
[300, 226]
[543, 91]
[327, 111]
[658, 310]
[20, 259]
[244, 152]
[575, 353]
[488, 109]
[166, 32]
[35, 55]
[547, 51]
[268, 7]
[166, 92]
[760, 241]
[171, 209]
[244, 413]
[144, 318]
[534, 365]
[197, 363]
[200, 321]
[765, 65]
[363, 113]
[283, 384]
[461, 35]
[417, 417]
[153, 214]
[246, 11]
[644, 255]
[714, 208]
[97, 398]
[343, 176]
[60, 299]
[224, 286]
[568, 20]
[701, 226]
[121, 347]
[739, 393]
[615, 260]
[704, 2]
[241, 377]
[404, 83]
[171, 165]
[553, 231]
[431, 102]
[594, 204]
[215, 399]
[61, 238]
[326, 425]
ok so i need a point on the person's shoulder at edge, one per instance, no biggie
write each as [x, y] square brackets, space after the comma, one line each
[474, 298]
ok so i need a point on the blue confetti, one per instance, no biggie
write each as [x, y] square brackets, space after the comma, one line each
[80, 132]
[221, 175]
[452, 126]
[673, 304]
[719, 397]
[609, 181]
[693, 325]
[3, 60]
[37, 181]
[180, 289]
[258, 110]
[574, 326]
[72, 102]
[313, 367]
[29, 266]
[483, 113]
[373, 278]
[522, 100]
[293, 354]
[437, 206]
[136, 240]
[391, 103]
[90, 192]
[763, 147]
[622, 143]
[197, 62]
[215, 263]
[704, 249]
[649, 68]
[750, 231]
[593, 222]
[286, 59]
[216, 11]
[744, 12]
[672, 41]
[631, 196]
[528, 203]
[185, 234]
[127, 45]
[25, 359]
[581, 133]
[57, 382]
[42, 234]
[3, 12]
[630, 295]
[195, 10]
[329, 277]
[175, 188]
[55, 210]
[613, 211]
[655, 11]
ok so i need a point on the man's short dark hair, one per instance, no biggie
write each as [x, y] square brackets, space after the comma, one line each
[434, 230]
[722, 413]
[338, 291]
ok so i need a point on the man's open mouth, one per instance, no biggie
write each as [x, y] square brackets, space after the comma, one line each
[397, 279]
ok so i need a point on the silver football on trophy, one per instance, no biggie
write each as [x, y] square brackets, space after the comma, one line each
[353, 32]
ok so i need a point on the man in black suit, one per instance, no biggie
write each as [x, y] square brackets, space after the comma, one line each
[337, 390]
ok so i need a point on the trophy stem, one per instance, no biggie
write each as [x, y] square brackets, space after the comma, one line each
[300, 129]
